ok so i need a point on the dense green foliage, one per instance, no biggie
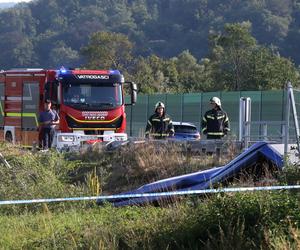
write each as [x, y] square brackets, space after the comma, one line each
[164, 28]
[261, 220]
[165, 46]
[108, 50]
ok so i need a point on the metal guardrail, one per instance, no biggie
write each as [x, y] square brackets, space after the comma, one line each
[219, 147]
[245, 123]
[263, 131]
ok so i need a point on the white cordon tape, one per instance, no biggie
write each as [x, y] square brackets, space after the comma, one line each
[162, 194]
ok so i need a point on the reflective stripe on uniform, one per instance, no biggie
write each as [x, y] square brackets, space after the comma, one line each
[155, 134]
[220, 117]
[204, 119]
[149, 123]
[204, 129]
[226, 120]
[210, 117]
[215, 133]
[155, 120]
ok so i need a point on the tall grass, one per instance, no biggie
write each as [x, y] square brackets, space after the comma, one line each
[249, 221]
[266, 220]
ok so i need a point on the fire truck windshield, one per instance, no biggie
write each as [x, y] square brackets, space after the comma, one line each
[92, 96]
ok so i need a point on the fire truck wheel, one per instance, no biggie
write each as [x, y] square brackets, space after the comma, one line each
[8, 137]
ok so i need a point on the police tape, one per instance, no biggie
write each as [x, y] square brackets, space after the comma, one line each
[145, 195]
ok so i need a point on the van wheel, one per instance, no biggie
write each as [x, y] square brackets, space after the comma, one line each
[8, 137]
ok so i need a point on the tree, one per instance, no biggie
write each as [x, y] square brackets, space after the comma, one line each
[108, 50]
[239, 63]
[270, 71]
[23, 54]
[191, 73]
[154, 74]
[232, 51]
[17, 50]
[143, 76]
[62, 55]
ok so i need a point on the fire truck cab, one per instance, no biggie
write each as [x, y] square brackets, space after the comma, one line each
[90, 103]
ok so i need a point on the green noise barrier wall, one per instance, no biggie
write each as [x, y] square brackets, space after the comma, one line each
[265, 106]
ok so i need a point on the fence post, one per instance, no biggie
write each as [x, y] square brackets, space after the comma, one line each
[265, 131]
[244, 120]
[287, 117]
[294, 110]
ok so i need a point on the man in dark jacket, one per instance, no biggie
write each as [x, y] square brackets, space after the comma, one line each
[215, 122]
[159, 125]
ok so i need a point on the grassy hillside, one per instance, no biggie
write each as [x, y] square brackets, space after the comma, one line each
[226, 221]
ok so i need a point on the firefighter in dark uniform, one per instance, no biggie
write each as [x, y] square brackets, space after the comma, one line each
[215, 122]
[159, 125]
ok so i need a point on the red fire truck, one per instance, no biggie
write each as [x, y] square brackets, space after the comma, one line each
[89, 102]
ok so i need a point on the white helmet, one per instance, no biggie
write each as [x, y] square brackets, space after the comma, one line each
[216, 100]
[159, 104]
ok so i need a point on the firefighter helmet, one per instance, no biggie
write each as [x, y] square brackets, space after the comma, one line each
[159, 104]
[216, 100]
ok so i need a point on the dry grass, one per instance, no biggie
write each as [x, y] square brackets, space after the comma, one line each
[283, 241]
[138, 164]
[134, 165]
